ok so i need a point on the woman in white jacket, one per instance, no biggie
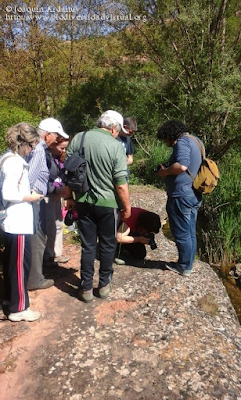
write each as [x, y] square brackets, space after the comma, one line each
[18, 223]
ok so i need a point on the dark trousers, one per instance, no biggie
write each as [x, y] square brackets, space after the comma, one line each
[16, 267]
[136, 250]
[97, 222]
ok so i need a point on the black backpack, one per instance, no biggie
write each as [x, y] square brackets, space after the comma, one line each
[75, 166]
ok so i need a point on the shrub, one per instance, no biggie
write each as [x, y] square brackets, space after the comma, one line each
[145, 160]
[220, 217]
[11, 115]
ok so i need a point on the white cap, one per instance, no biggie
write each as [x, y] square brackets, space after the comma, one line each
[116, 117]
[53, 126]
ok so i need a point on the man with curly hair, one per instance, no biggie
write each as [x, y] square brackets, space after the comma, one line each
[183, 200]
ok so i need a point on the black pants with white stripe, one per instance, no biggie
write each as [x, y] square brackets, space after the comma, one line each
[97, 222]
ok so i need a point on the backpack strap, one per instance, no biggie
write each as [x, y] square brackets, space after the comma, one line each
[82, 154]
[201, 148]
[19, 181]
[81, 149]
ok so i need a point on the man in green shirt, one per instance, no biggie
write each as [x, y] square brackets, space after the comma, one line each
[99, 209]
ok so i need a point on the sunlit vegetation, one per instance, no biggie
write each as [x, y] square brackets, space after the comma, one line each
[149, 59]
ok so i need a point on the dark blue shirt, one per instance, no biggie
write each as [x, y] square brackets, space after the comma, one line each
[126, 143]
[187, 153]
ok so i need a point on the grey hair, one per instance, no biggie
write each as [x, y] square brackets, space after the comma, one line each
[42, 133]
[105, 121]
[19, 134]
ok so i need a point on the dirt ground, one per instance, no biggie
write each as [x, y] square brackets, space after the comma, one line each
[23, 339]
[158, 336]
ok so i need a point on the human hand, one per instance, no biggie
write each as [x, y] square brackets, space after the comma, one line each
[162, 171]
[36, 196]
[125, 213]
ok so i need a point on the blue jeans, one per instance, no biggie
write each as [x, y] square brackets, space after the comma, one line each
[182, 214]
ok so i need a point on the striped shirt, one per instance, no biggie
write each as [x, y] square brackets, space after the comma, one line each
[38, 170]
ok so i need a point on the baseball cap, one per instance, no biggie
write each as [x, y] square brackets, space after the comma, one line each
[116, 117]
[53, 126]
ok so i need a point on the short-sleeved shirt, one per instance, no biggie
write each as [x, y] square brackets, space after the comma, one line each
[127, 144]
[187, 153]
[131, 222]
[106, 167]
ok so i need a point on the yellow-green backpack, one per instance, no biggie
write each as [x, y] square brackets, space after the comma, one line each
[208, 174]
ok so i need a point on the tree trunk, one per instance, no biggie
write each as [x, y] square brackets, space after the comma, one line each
[43, 84]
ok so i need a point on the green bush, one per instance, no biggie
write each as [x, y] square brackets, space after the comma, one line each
[11, 115]
[146, 159]
[220, 217]
[129, 96]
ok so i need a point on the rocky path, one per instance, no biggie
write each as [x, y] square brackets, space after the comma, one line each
[158, 336]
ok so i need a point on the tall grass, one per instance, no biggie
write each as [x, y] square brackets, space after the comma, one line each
[221, 214]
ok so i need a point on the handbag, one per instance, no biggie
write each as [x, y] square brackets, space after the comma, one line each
[70, 217]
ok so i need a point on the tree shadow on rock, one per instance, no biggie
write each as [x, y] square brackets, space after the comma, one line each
[135, 262]
[146, 263]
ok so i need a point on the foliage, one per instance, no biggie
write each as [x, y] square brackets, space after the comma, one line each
[173, 61]
[220, 217]
[145, 162]
[11, 115]
[166, 60]
[131, 97]
[196, 49]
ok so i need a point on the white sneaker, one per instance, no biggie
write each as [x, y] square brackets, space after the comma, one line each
[26, 315]
[62, 259]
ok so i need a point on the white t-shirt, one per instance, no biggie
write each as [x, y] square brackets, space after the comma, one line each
[15, 185]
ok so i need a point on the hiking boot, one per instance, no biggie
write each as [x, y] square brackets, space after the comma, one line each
[62, 259]
[174, 268]
[186, 272]
[119, 261]
[85, 295]
[26, 315]
[105, 291]
[47, 283]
